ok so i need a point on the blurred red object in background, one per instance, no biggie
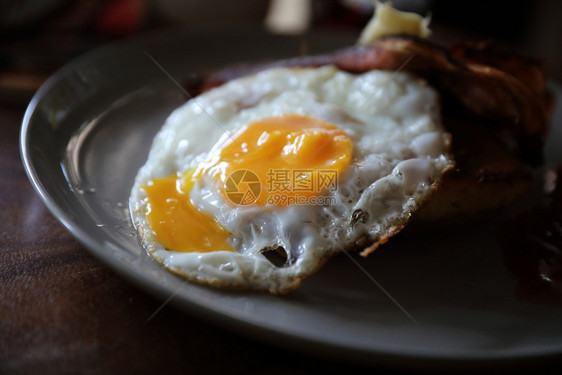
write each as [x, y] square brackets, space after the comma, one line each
[122, 17]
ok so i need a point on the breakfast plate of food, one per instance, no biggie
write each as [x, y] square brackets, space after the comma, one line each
[364, 200]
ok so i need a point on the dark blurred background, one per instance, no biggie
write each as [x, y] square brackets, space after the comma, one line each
[39, 36]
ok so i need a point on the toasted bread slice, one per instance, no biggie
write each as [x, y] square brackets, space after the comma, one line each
[487, 175]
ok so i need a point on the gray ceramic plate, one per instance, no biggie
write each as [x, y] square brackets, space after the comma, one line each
[88, 130]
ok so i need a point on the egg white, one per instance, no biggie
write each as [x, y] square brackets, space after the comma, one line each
[400, 153]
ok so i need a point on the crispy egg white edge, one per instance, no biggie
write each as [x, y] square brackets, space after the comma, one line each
[233, 270]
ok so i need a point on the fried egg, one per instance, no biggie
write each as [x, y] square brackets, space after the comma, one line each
[305, 162]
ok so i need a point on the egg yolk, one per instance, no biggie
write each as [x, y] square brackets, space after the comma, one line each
[179, 225]
[291, 156]
[279, 156]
